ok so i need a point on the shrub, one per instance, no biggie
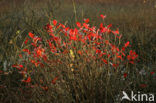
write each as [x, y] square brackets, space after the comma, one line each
[76, 64]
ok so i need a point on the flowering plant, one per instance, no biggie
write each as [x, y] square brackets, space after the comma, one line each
[83, 47]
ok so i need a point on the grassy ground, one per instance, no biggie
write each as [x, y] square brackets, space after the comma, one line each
[135, 20]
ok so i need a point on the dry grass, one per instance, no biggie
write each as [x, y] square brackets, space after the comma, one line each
[136, 23]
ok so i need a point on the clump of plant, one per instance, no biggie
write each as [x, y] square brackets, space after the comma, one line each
[66, 60]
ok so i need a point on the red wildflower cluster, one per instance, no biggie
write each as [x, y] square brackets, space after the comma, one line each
[132, 56]
[93, 43]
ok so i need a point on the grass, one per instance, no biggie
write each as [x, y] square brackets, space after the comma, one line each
[136, 23]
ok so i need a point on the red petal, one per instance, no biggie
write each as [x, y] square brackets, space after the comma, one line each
[26, 41]
[54, 80]
[103, 16]
[54, 22]
[152, 73]
[127, 44]
[86, 20]
[28, 80]
[31, 35]
[125, 75]
[78, 24]
[105, 61]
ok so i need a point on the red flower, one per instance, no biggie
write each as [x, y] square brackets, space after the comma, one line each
[44, 88]
[110, 25]
[73, 38]
[125, 75]
[48, 27]
[20, 55]
[123, 48]
[78, 24]
[79, 52]
[107, 41]
[115, 65]
[40, 51]
[98, 51]
[120, 57]
[59, 25]
[152, 73]
[127, 44]
[86, 20]
[105, 61]
[115, 32]
[101, 25]
[36, 39]
[26, 50]
[33, 44]
[132, 56]
[31, 35]
[28, 80]
[34, 62]
[26, 41]
[19, 67]
[54, 80]
[54, 22]
[103, 16]
[85, 25]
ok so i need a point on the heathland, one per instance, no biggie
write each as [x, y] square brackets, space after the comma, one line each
[76, 50]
